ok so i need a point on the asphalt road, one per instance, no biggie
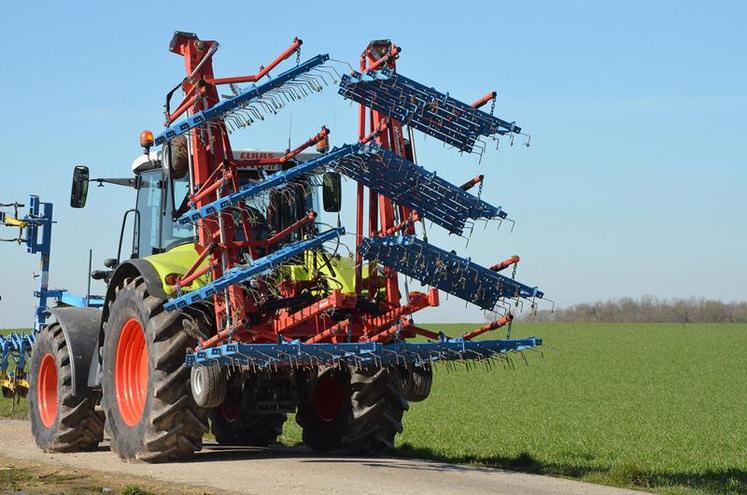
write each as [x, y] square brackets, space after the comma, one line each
[295, 470]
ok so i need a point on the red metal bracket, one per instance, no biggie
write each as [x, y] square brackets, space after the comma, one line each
[490, 326]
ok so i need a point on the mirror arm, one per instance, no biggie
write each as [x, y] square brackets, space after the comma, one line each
[127, 182]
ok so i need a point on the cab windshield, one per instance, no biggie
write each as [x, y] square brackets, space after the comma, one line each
[157, 230]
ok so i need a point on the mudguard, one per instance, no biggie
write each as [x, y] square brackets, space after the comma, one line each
[80, 326]
[127, 269]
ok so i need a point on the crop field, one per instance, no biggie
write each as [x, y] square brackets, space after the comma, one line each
[651, 406]
[657, 407]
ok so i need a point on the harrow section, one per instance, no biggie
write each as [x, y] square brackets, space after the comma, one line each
[274, 182]
[410, 185]
[423, 108]
[447, 271]
[251, 104]
[258, 267]
[297, 355]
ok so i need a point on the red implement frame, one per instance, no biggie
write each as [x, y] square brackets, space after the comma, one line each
[215, 174]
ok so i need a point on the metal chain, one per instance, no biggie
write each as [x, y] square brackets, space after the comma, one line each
[492, 106]
[511, 321]
[298, 56]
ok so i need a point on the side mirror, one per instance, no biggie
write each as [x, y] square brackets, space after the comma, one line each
[79, 191]
[331, 191]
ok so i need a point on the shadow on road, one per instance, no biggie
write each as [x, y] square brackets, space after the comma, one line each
[728, 481]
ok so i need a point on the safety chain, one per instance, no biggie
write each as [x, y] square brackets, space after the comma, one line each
[492, 105]
[298, 56]
[511, 321]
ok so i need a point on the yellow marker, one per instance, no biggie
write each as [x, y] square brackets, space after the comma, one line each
[14, 222]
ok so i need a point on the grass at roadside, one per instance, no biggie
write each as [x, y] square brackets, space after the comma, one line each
[17, 476]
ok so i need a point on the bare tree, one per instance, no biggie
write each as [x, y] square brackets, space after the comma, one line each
[650, 309]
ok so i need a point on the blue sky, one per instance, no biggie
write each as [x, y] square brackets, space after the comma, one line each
[635, 182]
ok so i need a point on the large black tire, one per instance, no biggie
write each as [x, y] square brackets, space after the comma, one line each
[415, 382]
[239, 427]
[378, 406]
[325, 411]
[151, 417]
[60, 422]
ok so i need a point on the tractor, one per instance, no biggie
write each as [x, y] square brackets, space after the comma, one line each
[235, 304]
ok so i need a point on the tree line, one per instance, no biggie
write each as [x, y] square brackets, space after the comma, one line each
[649, 309]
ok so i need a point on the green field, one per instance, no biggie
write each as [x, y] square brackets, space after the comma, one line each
[652, 406]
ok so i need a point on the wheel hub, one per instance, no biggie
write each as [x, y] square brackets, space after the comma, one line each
[46, 395]
[328, 397]
[131, 372]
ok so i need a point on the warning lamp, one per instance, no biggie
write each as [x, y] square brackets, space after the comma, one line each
[171, 278]
[146, 140]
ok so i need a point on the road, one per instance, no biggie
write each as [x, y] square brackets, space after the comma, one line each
[284, 471]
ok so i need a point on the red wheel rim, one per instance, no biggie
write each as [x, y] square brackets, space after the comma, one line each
[328, 397]
[230, 413]
[46, 390]
[131, 372]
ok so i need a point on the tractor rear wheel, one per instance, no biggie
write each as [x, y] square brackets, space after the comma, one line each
[378, 405]
[150, 412]
[325, 411]
[60, 422]
[233, 425]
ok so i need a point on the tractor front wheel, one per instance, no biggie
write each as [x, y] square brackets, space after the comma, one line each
[60, 421]
[150, 412]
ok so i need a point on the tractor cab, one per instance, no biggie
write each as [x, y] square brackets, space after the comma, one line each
[162, 196]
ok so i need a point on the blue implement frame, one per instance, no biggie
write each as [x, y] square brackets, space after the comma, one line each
[296, 354]
[226, 106]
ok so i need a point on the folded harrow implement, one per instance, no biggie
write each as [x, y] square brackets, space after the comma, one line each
[425, 109]
[447, 271]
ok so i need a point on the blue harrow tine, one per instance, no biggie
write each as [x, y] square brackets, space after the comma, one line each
[224, 107]
[447, 271]
[262, 265]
